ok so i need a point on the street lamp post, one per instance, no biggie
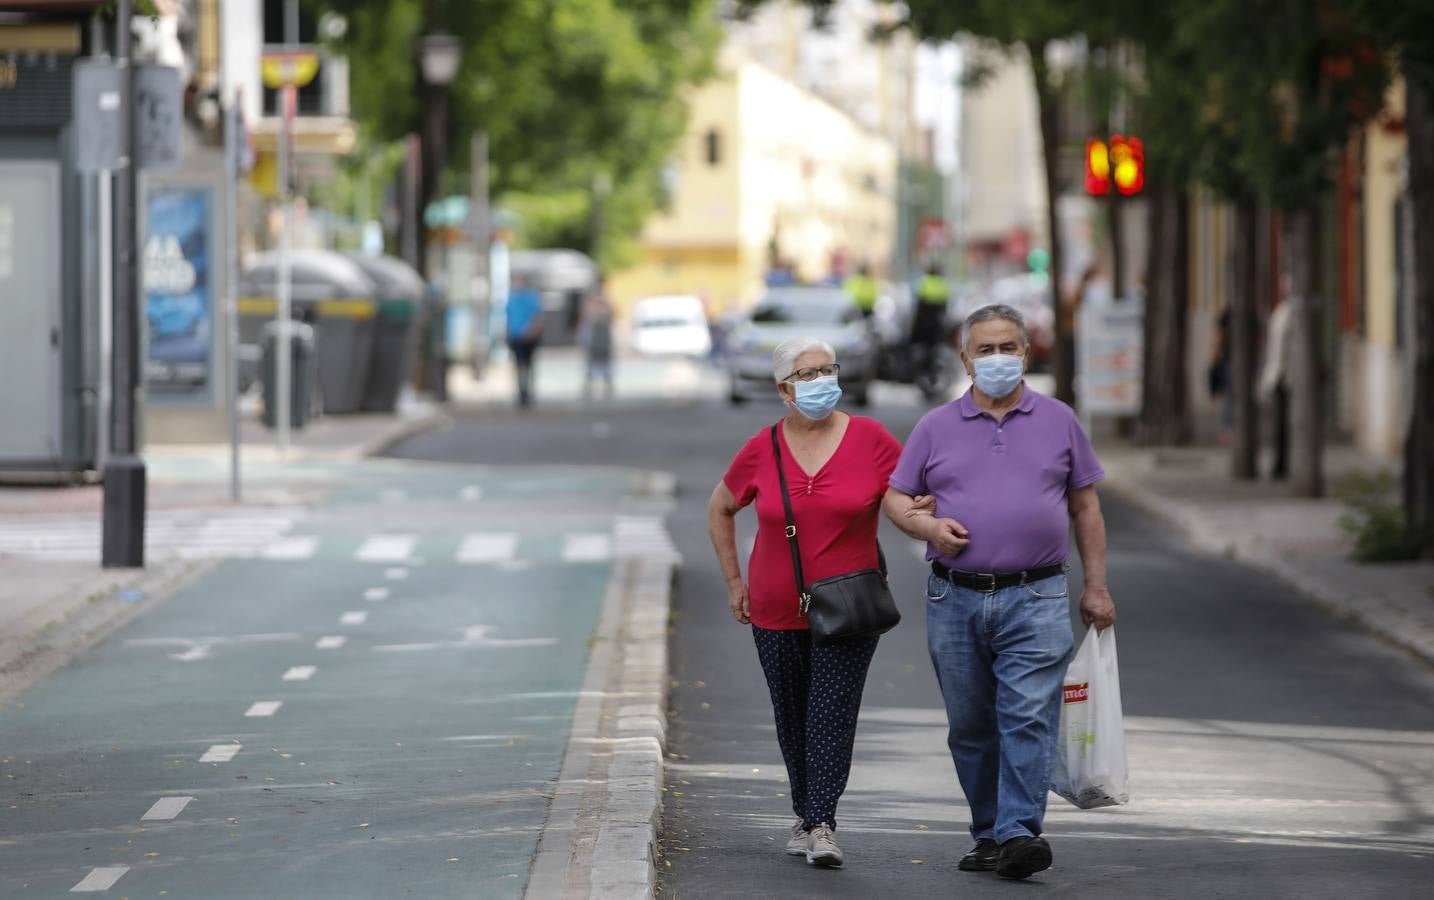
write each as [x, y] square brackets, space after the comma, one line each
[439, 57]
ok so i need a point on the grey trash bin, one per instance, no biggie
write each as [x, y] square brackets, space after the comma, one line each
[333, 295]
[303, 374]
[395, 330]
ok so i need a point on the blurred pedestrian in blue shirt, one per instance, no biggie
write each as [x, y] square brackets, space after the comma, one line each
[525, 330]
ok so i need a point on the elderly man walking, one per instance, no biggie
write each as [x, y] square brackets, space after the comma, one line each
[1009, 471]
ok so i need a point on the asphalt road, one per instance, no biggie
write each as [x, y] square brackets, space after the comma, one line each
[1275, 752]
[374, 707]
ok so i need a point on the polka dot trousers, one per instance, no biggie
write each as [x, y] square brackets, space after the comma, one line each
[816, 695]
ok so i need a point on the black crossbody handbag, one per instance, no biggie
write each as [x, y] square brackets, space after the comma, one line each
[850, 607]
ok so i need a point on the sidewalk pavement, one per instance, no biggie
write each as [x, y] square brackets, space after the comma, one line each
[559, 373]
[1296, 539]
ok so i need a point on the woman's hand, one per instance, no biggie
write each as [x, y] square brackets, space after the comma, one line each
[922, 505]
[740, 603]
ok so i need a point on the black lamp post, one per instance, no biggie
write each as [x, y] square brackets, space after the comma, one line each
[439, 56]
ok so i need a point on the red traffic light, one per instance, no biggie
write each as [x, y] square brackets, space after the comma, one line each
[1127, 164]
[1120, 162]
[1097, 167]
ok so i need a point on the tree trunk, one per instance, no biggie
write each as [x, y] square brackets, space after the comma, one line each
[1419, 446]
[1048, 102]
[1306, 388]
[1244, 342]
[1165, 408]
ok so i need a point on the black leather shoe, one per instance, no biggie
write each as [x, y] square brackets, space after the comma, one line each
[981, 858]
[1023, 857]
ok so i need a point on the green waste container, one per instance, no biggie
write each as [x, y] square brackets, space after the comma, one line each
[333, 295]
[395, 330]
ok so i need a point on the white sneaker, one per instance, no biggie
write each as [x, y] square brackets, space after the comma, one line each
[823, 851]
[801, 839]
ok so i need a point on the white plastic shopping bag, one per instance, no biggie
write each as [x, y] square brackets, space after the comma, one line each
[1090, 768]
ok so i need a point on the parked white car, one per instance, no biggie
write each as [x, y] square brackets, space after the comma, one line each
[671, 326]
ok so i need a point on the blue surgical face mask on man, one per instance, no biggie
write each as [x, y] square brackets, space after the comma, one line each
[998, 375]
[817, 398]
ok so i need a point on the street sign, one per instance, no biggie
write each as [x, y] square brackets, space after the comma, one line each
[288, 68]
[95, 97]
[158, 117]
[1110, 357]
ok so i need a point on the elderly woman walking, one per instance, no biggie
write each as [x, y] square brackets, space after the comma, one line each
[836, 468]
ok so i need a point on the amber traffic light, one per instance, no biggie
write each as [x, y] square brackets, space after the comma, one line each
[1121, 163]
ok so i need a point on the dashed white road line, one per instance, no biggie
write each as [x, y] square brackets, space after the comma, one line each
[397, 573]
[300, 673]
[100, 879]
[297, 547]
[330, 642]
[166, 808]
[353, 617]
[387, 548]
[376, 594]
[221, 753]
[263, 708]
[488, 548]
[587, 548]
[471, 493]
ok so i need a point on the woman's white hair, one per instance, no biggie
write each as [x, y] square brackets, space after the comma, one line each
[784, 358]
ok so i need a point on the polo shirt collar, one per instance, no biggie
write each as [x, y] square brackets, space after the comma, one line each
[969, 409]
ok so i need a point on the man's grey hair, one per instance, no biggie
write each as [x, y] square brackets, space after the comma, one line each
[784, 358]
[989, 314]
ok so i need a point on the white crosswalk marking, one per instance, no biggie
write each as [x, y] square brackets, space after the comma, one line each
[100, 879]
[262, 709]
[300, 673]
[488, 548]
[587, 548]
[471, 494]
[644, 536]
[353, 617]
[376, 594]
[291, 548]
[169, 533]
[166, 808]
[330, 642]
[387, 548]
[220, 753]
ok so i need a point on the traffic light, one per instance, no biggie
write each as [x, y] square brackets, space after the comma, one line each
[1097, 167]
[1127, 164]
[1120, 162]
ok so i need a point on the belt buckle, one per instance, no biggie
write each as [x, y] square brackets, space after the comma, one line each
[987, 575]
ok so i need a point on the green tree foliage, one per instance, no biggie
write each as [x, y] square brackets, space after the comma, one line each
[569, 91]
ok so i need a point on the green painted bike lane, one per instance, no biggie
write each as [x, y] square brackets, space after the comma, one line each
[415, 759]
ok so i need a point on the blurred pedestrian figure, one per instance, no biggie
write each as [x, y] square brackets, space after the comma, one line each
[1018, 470]
[1218, 374]
[863, 290]
[595, 335]
[837, 466]
[928, 326]
[525, 331]
[1275, 374]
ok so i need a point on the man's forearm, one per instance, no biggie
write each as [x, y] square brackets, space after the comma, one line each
[1090, 541]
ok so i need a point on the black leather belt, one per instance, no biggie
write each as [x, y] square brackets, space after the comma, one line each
[994, 581]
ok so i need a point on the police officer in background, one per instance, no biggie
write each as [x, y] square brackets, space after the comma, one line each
[928, 327]
[862, 290]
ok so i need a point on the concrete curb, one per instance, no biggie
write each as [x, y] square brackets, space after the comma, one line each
[600, 838]
[1380, 618]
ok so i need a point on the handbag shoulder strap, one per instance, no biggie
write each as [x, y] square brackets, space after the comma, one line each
[791, 522]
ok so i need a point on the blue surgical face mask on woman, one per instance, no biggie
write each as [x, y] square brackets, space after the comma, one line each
[817, 398]
[998, 375]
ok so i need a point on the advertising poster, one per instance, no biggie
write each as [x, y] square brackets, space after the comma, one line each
[179, 296]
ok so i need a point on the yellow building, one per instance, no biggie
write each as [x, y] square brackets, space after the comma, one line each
[768, 173]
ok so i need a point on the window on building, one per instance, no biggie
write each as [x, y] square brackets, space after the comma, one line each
[713, 143]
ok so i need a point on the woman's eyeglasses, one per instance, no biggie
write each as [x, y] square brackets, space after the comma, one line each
[811, 373]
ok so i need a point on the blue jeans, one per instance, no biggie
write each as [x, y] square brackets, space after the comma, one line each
[1000, 658]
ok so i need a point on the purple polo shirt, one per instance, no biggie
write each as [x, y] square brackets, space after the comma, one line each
[1007, 482]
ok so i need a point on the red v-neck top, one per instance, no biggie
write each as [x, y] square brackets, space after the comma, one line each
[836, 511]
